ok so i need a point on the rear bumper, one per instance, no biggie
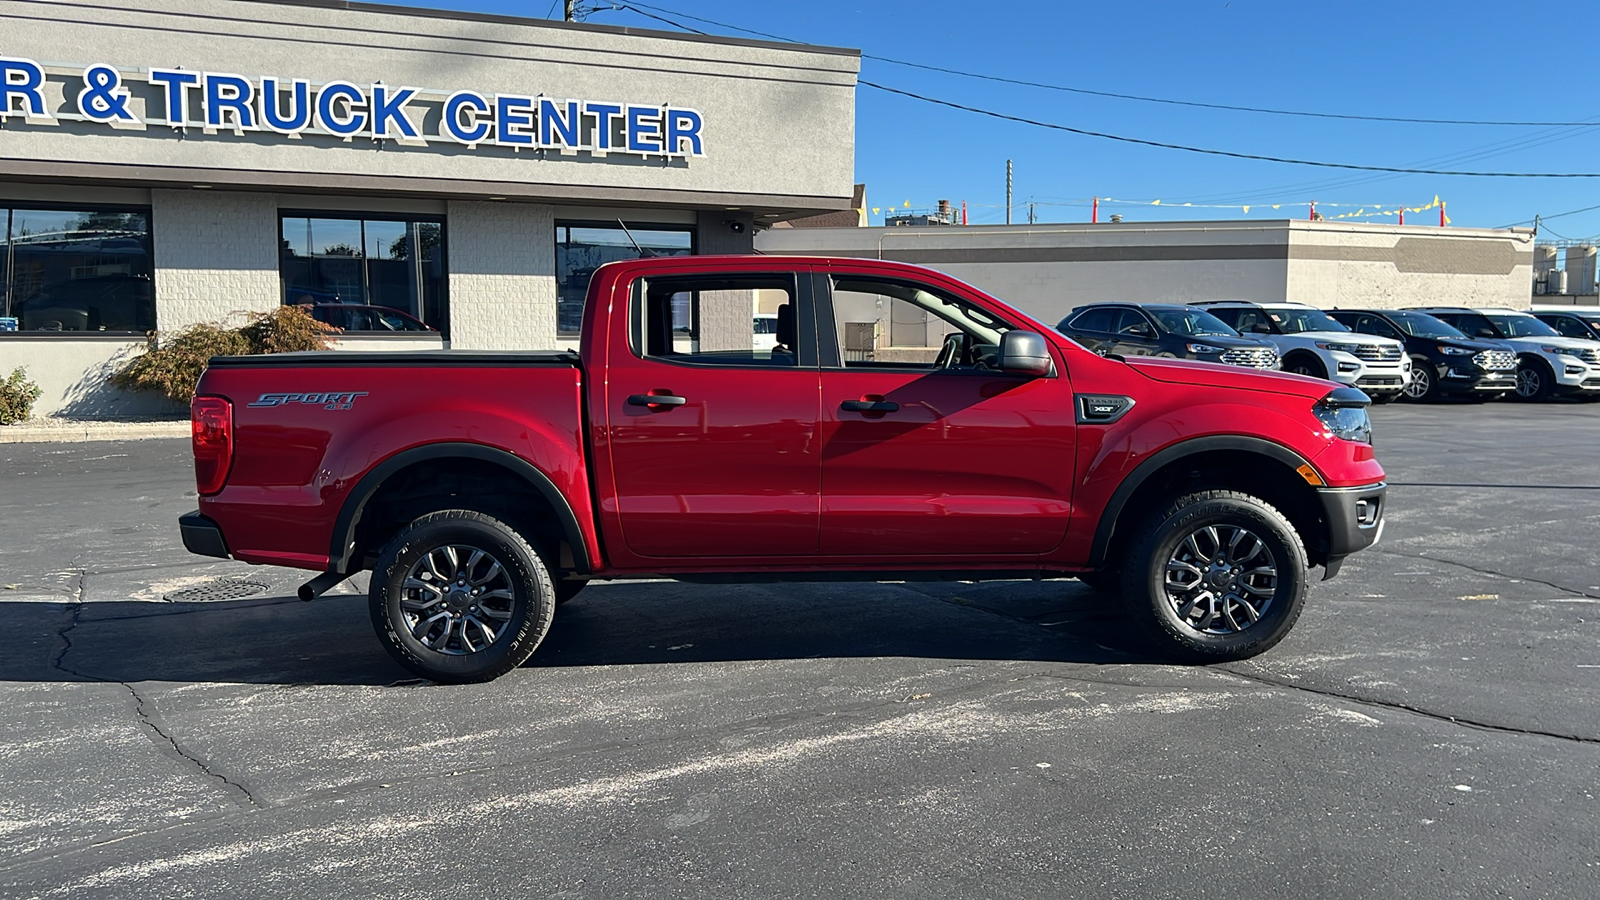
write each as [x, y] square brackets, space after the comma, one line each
[1355, 520]
[202, 536]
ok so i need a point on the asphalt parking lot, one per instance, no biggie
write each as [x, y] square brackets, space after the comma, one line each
[1429, 729]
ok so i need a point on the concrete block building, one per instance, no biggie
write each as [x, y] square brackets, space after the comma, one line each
[167, 162]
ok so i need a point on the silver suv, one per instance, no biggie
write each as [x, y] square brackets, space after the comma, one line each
[1311, 342]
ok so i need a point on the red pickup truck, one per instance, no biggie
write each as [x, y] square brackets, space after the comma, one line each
[902, 425]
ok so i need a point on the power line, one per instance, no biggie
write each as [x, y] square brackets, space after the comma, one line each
[1121, 138]
[1228, 153]
[1540, 219]
[1410, 120]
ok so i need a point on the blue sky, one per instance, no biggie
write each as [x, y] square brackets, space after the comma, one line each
[1403, 58]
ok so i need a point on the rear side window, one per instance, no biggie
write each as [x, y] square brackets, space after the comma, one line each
[1092, 320]
[1568, 326]
[711, 320]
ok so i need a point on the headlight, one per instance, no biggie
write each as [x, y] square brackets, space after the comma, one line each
[1560, 351]
[1342, 348]
[1455, 351]
[1344, 412]
[1203, 348]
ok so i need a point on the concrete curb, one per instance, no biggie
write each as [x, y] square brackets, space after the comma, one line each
[66, 431]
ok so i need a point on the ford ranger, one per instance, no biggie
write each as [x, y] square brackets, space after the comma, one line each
[901, 425]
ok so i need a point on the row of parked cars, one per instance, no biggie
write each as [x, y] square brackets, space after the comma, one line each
[1422, 353]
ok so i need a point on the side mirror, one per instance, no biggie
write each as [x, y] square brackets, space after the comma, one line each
[1260, 328]
[1024, 353]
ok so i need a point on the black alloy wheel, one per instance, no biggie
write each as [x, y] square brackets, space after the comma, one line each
[1218, 576]
[460, 597]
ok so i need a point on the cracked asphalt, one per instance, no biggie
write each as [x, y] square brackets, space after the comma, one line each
[1429, 729]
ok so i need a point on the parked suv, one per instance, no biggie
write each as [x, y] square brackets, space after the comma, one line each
[1312, 343]
[1580, 322]
[1443, 360]
[1547, 363]
[1169, 330]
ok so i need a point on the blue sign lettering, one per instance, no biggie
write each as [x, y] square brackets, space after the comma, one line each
[464, 117]
[343, 119]
[21, 79]
[295, 107]
[272, 114]
[177, 83]
[227, 94]
[387, 108]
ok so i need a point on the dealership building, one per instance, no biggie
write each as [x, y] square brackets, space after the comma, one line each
[1047, 270]
[169, 162]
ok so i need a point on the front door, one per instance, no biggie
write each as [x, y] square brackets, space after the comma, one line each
[714, 443]
[928, 449]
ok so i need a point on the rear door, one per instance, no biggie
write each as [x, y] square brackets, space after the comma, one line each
[714, 447]
[927, 449]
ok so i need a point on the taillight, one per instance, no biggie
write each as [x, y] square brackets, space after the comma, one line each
[212, 420]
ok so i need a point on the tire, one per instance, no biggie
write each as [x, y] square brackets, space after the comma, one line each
[1535, 380]
[1179, 626]
[1424, 386]
[566, 590]
[1306, 364]
[1106, 581]
[432, 631]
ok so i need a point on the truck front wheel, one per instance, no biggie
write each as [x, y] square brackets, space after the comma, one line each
[460, 597]
[1219, 576]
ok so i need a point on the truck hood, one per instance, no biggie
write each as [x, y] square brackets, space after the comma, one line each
[1346, 337]
[1204, 374]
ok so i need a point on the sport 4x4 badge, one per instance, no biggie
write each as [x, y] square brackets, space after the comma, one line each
[327, 400]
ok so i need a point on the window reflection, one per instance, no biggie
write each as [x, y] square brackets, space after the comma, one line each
[77, 270]
[580, 249]
[394, 263]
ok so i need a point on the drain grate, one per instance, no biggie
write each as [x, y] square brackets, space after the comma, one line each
[221, 589]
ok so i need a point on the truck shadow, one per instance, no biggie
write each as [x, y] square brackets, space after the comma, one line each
[279, 640]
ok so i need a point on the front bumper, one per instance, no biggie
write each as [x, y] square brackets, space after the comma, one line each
[1355, 521]
[1468, 378]
[202, 536]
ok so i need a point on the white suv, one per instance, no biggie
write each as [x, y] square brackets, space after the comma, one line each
[1311, 342]
[1547, 362]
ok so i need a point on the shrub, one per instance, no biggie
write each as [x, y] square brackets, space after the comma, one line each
[17, 394]
[173, 365]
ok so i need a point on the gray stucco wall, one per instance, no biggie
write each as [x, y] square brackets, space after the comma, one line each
[216, 254]
[778, 122]
[502, 259]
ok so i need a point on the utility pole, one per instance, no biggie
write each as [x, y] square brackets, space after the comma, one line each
[1008, 192]
[1031, 218]
[571, 8]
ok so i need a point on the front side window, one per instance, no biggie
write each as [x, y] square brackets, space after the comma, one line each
[582, 248]
[79, 270]
[1193, 323]
[1423, 325]
[1568, 326]
[328, 261]
[1132, 323]
[1293, 321]
[1516, 326]
[900, 324]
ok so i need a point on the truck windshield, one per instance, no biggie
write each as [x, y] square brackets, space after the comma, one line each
[1293, 320]
[1423, 325]
[1517, 325]
[1192, 322]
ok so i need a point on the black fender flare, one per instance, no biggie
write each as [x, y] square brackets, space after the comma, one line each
[342, 545]
[1106, 529]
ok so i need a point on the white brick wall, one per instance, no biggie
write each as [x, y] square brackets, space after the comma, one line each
[216, 253]
[502, 259]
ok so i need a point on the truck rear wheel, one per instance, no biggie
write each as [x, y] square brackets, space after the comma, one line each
[1219, 576]
[460, 597]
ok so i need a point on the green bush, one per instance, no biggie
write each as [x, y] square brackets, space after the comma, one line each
[17, 394]
[173, 364]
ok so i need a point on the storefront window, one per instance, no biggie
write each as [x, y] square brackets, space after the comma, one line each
[77, 270]
[582, 248]
[330, 261]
